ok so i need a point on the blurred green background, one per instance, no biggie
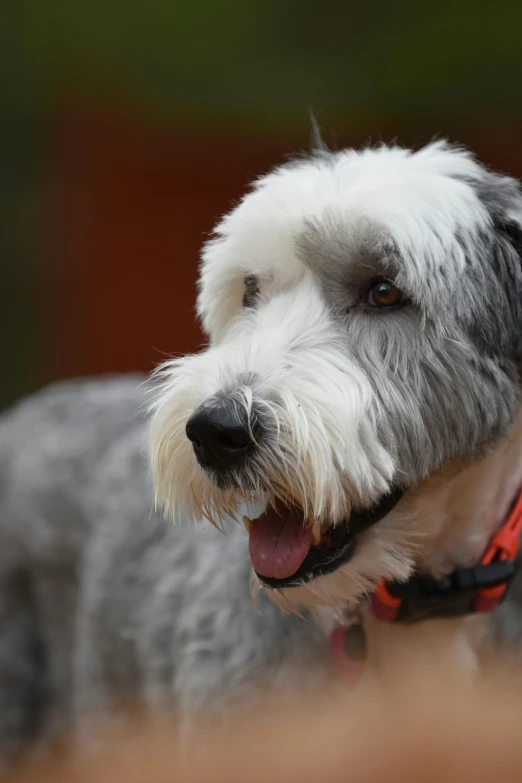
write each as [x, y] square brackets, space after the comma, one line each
[127, 128]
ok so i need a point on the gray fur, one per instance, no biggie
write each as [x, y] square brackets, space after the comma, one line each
[103, 601]
[445, 367]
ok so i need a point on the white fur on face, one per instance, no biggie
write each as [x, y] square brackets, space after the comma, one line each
[286, 360]
[422, 199]
[348, 406]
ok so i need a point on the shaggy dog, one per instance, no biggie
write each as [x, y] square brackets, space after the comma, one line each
[358, 406]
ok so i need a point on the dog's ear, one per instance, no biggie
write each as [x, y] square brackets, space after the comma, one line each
[502, 196]
[501, 273]
[512, 230]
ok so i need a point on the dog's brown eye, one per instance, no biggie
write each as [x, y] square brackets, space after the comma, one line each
[383, 293]
[251, 290]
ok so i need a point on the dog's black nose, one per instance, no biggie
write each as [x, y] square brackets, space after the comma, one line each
[220, 434]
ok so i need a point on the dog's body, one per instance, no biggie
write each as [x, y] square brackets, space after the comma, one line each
[368, 390]
[102, 601]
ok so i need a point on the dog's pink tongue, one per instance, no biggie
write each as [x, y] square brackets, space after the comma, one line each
[279, 543]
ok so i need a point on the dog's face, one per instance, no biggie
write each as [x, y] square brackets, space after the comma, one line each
[365, 325]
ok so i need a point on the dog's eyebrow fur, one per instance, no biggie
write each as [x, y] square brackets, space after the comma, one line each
[345, 256]
[331, 247]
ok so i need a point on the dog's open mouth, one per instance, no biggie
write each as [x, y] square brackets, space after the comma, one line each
[285, 553]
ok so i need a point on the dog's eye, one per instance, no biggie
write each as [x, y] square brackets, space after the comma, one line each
[382, 293]
[251, 290]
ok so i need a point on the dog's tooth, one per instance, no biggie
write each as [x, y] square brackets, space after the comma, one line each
[316, 535]
[247, 523]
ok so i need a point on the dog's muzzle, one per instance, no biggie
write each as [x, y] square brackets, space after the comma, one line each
[221, 434]
[284, 550]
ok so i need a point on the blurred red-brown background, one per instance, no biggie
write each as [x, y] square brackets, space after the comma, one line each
[129, 207]
[128, 131]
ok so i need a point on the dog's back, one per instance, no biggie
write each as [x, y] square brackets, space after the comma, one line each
[53, 447]
[100, 597]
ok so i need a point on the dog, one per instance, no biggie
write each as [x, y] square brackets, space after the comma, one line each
[361, 385]
[357, 407]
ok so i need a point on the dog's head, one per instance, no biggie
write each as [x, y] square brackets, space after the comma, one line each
[364, 311]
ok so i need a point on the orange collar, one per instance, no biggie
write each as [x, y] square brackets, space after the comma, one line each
[464, 591]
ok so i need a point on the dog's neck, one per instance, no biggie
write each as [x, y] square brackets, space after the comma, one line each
[463, 508]
[460, 510]
[457, 512]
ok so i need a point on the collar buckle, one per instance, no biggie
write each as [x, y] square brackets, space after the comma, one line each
[464, 591]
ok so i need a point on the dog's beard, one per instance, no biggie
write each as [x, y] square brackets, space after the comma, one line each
[297, 466]
[315, 455]
[318, 451]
